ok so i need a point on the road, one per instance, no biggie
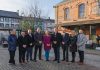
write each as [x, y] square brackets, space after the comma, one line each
[92, 62]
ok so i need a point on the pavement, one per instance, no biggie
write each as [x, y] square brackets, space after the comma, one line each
[92, 62]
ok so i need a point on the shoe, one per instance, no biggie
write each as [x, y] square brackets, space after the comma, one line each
[47, 60]
[55, 60]
[58, 61]
[35, 60]
[67, 61]
[63, 60]
[31, 60]
[13, 63]
[72, 61]
[81, 63]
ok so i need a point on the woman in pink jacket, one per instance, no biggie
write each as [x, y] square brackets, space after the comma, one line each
[47, 44]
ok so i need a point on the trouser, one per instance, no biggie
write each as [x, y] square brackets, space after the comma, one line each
[47, 54]
[65, 52]
[57, 53]
[22, 55]
[73, 56]
[29, 53]
[81, 55]
[12, 55]
[36, 50]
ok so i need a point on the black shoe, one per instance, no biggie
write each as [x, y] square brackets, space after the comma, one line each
[13, 63]
[58, 61]
[31, 60]
[63, 60]
[55, 60]
[67, 61]
[35, 60]
[47, 60]
[72, 61]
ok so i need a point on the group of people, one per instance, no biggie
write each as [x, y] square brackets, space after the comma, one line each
[37, 40]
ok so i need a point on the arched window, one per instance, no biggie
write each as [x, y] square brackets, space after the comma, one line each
[67, 13]
[81, 10]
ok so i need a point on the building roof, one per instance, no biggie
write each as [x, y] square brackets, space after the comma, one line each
[63, 2]
[9, 14]
[37, 19]
[60, 2]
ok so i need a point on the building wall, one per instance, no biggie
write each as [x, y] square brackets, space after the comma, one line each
[12, 22]
[48, 26]
[91, 11]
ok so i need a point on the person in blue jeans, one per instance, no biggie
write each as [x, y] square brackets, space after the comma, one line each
[30, 38]
[12, 44]
[47, 44]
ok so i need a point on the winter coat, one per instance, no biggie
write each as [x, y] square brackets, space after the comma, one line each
[73, 44]
[12, 42]
[47, 40]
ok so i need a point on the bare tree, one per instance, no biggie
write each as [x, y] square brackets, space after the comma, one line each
[34, 12]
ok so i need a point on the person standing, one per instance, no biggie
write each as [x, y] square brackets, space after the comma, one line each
[30, 37]
[65, 45]
[47, 44]
[73, 45]
[38, 37]
[56, 43]
[22, 43]
[12, 44]
[81, 41]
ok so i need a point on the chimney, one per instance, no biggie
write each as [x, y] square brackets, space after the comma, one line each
[18, 12]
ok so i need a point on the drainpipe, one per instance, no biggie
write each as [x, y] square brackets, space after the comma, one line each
[90, 32]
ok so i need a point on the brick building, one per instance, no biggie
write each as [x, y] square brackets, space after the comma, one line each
[76, 14]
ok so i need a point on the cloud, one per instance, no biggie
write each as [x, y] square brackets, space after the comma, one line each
[14, 5]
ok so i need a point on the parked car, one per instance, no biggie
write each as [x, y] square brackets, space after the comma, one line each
[4, 42]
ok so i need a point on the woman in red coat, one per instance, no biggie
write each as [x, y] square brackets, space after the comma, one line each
[47, 44]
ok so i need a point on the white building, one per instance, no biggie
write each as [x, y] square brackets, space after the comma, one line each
[8, 20]
[48, 24]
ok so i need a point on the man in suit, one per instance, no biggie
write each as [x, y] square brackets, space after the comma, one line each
[56, 42]
[30, 37]
[65, 45]
[38, 43]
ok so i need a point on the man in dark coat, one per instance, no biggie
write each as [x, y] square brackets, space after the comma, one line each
[38, 37]
[30, 37]
[56, 43]
[22, 43]
[65, 45]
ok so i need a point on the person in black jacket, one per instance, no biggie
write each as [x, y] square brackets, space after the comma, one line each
[65, 45]
[38, 37]
[22, 43]
[56, 43]
[30, 37]
[73, 45]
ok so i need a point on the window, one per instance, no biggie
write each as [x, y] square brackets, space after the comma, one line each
[1, 25]
[98, 8]
[1, 19]
[7, 19]
[12, 25]
[17, 25]
[67, 13]
[7, 25]
[81, 10]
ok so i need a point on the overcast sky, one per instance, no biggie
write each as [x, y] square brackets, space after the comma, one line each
[14, 5]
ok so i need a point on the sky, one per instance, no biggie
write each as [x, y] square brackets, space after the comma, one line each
[22, 5]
